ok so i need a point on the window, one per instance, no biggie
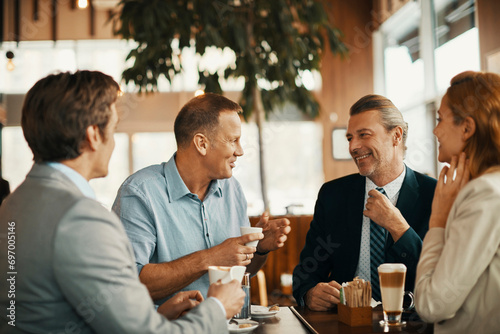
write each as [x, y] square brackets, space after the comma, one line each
[17, 161]
[293, 145]
[34, 60]
[17, 158]
[150, 148]
[457, 40]
[423, 45]
[294, 167]
[118, 170]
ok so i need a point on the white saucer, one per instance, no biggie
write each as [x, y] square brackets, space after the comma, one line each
[235, 328]
[261, 312]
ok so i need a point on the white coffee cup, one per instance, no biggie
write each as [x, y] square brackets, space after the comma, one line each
[225, 274]
[392, 285]
[247, 230]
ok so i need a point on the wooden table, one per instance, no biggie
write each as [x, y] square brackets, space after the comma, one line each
[285, 322]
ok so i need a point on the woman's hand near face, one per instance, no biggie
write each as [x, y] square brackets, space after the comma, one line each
[447, 189]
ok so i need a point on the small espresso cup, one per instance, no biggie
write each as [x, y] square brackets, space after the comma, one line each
[247, 230]
[392, 284]
[225, 274]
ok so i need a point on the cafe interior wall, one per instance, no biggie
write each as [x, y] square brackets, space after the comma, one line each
[489, 25]
[343, 80]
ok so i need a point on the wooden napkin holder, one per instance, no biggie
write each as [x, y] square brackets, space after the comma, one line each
[355, 316]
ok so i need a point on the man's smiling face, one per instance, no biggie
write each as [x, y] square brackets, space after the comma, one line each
[371, 146]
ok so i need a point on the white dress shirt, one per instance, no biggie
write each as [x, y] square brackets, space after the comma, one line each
[392, 190]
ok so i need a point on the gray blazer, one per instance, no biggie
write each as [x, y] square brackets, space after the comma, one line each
[75, 267]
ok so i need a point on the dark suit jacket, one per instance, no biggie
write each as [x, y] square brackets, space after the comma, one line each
[333, 242]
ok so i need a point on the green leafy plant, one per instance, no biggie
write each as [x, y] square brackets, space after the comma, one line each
[274, 42]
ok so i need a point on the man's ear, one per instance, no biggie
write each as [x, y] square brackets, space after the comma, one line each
[469, 127]
[94, 138]
[398, 136]
[201, 143]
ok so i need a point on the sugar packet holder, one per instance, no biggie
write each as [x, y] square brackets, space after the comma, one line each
[354, 308]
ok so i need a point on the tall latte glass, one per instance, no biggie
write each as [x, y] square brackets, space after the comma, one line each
[392, 285]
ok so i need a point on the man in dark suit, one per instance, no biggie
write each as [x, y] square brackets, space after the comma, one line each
[349, 211]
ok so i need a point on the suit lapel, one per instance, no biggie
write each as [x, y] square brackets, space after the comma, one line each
[408, 195]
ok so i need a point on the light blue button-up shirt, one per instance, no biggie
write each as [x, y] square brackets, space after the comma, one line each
[75, 177]
[165, 221]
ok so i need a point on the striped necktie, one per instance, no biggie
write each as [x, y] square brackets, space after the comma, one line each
[377, 253]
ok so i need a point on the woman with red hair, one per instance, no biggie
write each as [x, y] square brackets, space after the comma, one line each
[458, 275]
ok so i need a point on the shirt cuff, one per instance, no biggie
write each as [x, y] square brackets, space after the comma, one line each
[220, 305]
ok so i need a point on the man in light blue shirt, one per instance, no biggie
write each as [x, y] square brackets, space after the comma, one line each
[185, 215]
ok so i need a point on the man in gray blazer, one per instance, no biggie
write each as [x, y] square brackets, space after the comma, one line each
[68, 264]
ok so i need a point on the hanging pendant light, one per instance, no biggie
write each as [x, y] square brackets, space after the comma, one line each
[82, 4]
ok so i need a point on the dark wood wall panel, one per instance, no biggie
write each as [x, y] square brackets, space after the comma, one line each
[283, 260]
[54, 20]
[489, 26]
[346, 80]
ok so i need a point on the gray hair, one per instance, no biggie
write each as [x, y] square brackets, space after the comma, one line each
[390, 116]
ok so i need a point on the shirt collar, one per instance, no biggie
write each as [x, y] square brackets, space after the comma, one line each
[176, 188]
[81, 183]
[391, 188]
